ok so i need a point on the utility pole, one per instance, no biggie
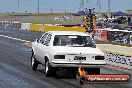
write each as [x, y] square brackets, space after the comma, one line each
[18, 6]
[82, 5]
[38, 6]
[51, 11]
[86, 3]
[80, 8]
[65, 6]
[109, 3]
[99, 6]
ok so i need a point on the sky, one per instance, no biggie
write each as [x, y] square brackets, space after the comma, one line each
[70, 6]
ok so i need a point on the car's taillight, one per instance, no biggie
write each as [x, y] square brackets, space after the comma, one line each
[59, 56]
[99, 57]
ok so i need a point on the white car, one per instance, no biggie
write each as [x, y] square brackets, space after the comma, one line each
[66, 50]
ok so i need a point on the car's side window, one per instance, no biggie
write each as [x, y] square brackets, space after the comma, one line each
[42, 39]
[47, 40]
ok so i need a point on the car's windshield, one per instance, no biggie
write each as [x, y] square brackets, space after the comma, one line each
[73, 41]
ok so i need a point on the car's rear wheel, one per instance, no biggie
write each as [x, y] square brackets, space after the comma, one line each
[49, 70]
[34, 62]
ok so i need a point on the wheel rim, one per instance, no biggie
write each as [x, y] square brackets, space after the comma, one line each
[33, 61]
[46, 68]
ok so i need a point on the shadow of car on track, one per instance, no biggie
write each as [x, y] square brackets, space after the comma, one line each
[61, 74]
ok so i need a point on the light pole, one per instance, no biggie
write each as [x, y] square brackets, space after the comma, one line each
[18, 6]
[38, 6]
[109, 3]
[65, 6]
[99, 6]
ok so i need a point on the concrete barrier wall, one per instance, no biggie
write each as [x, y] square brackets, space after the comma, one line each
[25, 26]
[62, 28]
[117, 55]
[41, 27]
[36, 27]
[124, 61]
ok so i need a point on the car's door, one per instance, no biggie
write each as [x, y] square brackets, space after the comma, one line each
[44, 47]
[36, 47]
[41, 47]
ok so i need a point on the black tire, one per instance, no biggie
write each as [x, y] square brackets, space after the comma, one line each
[34, 62]
[93, 70]
[49, 70]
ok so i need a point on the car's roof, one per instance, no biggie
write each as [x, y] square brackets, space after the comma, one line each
[68, 33]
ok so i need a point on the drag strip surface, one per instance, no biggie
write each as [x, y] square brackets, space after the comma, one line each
[16, 72]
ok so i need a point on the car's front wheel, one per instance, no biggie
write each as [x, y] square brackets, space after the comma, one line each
[34, 62]
[49, 71]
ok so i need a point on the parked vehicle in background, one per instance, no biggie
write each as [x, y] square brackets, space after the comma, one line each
[130, 25]
[58, 50]
[114, 26]
[120, 20]
[100, 25]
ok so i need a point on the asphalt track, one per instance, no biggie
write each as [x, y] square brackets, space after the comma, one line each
[16, 72]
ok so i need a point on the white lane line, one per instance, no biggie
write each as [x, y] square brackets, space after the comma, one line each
[15, 38]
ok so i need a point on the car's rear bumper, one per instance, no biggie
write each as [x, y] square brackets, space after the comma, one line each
[77, 64]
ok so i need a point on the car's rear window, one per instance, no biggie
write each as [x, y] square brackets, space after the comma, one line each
[73, 41]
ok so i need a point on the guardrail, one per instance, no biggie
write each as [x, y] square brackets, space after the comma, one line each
[116, 55]
[48, 27]
[25, 26]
